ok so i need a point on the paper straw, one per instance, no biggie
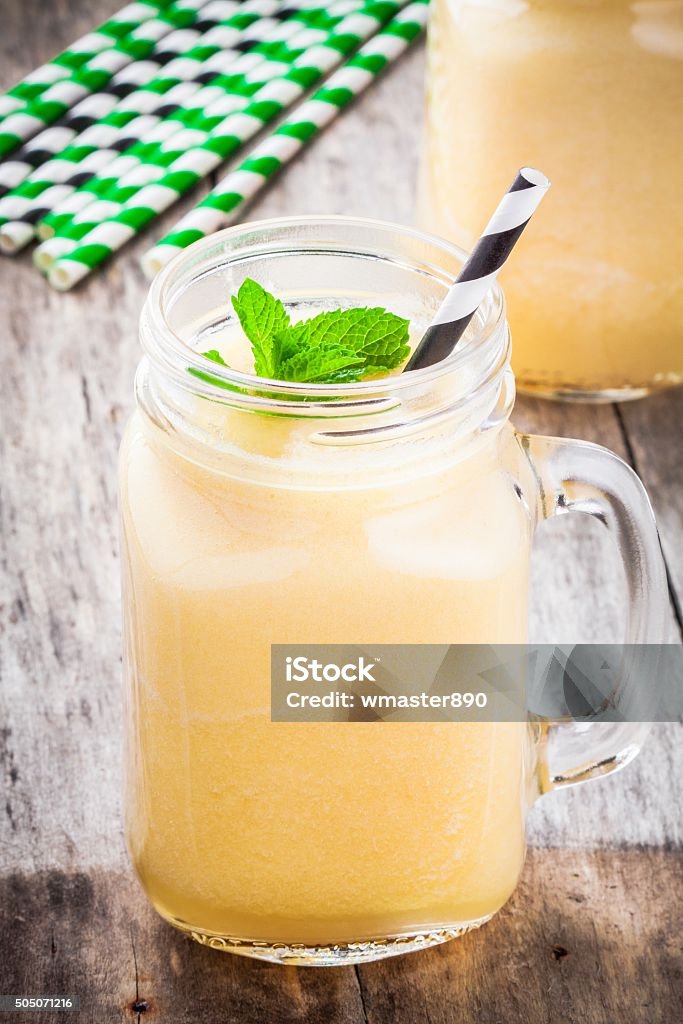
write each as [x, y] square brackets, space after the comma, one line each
[79, 53]
[225, 202]
[41, 148]
[148, 160]
[15, 235]
[267, 104]
[120, 130]
[198, 53]
[94, 75]
[258, 38]
[104, 195]
[481, 269]
[126, 93]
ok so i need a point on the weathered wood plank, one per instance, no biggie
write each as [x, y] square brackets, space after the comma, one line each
[588, 937]
[34, 32]
[655, 432]
[93, 935]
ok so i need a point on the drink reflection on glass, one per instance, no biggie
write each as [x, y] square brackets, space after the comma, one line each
[592, 91]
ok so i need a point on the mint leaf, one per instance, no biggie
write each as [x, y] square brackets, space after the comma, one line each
[214, 355]
[320, 363]
[373, 334]
[355, 341]
[336, 347]
[383, 339]
[263, 319]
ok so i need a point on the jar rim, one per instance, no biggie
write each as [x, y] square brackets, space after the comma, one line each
[173, 356]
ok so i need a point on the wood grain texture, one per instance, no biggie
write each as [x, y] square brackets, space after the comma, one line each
[588, 938]
[66, 371]
[654, 431]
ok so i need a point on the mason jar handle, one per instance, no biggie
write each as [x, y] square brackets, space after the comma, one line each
[576, 476]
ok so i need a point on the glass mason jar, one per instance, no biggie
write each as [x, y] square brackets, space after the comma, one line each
[393, 510]
[592, 92]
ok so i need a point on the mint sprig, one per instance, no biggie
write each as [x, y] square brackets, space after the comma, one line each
[336, 347]
[264, 319]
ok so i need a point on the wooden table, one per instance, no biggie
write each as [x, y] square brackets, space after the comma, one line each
[594, 932]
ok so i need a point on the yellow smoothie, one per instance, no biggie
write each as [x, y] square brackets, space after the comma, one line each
[329, 832]
[592, 92]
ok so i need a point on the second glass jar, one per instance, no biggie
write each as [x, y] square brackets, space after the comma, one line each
[592, 92]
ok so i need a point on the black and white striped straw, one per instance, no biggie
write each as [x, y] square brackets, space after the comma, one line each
[481, 269]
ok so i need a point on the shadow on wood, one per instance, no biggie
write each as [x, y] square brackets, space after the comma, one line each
[589, 936]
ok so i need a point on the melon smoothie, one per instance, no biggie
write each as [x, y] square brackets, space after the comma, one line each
[592, 90]
[316, 833]
[392, 509]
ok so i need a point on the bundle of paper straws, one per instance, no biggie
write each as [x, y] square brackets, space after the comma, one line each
[102, 139]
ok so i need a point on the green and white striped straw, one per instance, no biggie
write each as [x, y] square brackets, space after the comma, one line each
[127, 93]
[196, 163]
[75, 216]
[27, 203]
[105, 195]
[94, 75]
[125, 21]
[100, 145]
[224, 203]
[148, 159]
